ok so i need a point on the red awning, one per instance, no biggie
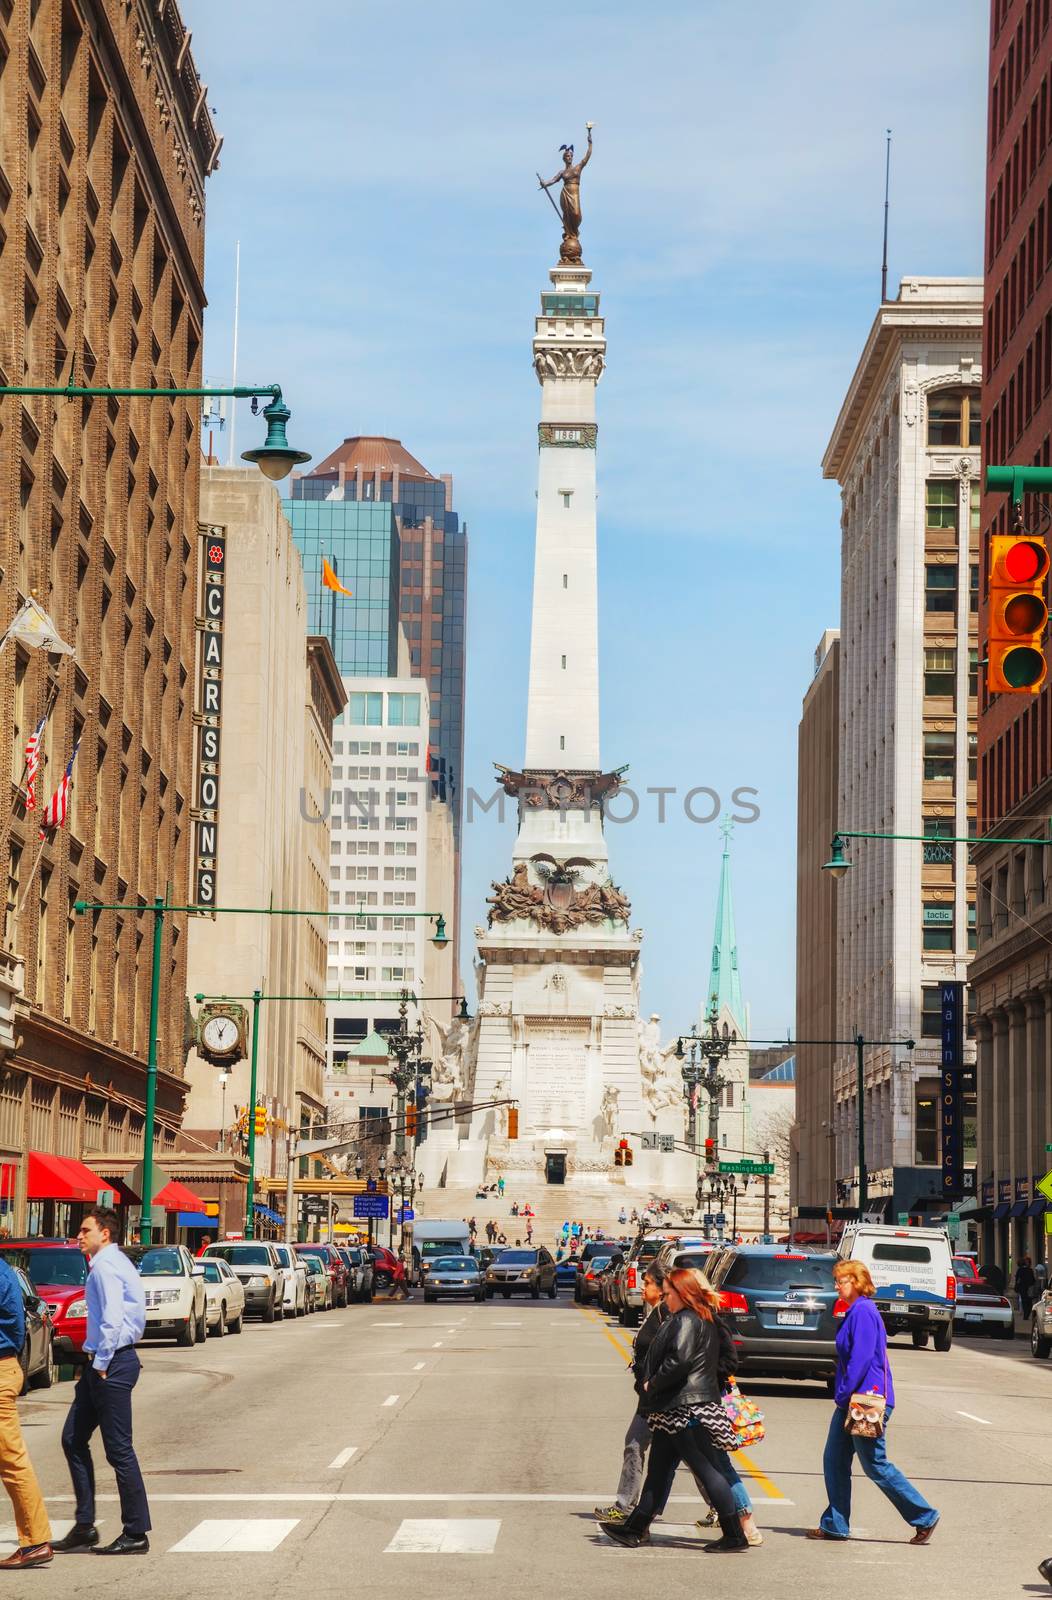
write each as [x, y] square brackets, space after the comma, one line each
[177, 1197]
[62, 1178]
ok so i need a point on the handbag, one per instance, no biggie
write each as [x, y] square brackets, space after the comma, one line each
[866, 1413]
[745, 1417]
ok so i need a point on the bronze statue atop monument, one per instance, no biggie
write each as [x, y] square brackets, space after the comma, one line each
[570, 199]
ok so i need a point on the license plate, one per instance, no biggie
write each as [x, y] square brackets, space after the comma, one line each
[790, 1319]
[972, 1316]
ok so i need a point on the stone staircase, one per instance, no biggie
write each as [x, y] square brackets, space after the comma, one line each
[595, 1204]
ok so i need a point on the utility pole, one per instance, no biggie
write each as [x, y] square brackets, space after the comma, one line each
[290, 1175]
[766, 1196]
[860, 1092]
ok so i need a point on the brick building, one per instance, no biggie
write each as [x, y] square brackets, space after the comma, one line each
[105, 144]
[1011, 975]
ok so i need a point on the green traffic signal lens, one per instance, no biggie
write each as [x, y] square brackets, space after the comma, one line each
[1025, 613]
[1023, 667]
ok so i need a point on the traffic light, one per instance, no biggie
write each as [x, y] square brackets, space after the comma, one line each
[410, 1120]
[710, 1152]
[513, 1122]
[261, 1120]
[1017, 613]
[619, 1157]
[629, 1155]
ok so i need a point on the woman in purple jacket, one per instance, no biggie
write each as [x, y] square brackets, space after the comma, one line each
[862, 1367]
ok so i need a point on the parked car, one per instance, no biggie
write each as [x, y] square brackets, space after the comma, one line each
[781, 1307]
[224, 1299]
[37, 1356]
[359, 1271]
[522, 1271]
[587, 1288]
[565, 1272]
[914, 1276]
[174, 1284]
[608, 1283]
[449, 1276]
[334, 1266]
[628, 1290]
[686, 1252]
[388, 1269]
[262, 1276]
[979, 1308]
[1041, 1327]
[319, 1284]
[58, 1271]
[294, 1301]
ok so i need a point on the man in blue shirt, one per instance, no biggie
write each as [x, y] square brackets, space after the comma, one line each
[116, 1319]
[16, 1469]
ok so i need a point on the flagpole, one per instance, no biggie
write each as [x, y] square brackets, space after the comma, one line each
[332, 629]
[25, 893]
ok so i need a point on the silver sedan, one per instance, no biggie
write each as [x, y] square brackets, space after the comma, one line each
[453, 1275]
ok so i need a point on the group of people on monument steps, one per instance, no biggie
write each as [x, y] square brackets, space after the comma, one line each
[687, 1412]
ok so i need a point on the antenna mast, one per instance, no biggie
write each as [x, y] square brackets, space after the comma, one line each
[233, 358]
[887, 184]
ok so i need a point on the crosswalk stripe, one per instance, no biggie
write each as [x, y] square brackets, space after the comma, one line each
[446, 1536]
[343, 1458]
[245, 1534]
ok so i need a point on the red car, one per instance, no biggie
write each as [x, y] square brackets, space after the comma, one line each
[58, 1272]
[388, 1269]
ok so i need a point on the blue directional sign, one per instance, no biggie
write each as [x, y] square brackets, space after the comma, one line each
[370, 1205]
[721, 1220]
[406, 1214]
[708, 1219]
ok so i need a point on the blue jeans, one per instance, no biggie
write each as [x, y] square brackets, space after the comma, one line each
[841, 1448]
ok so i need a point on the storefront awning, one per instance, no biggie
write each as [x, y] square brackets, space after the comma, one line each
[1001, 1210]
[195, 1219]
[177, 1197]
[62, 1178]
[1017, 1208]
[1036, 1208]
[266, 1213]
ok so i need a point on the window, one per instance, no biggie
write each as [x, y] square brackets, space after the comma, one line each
[939, 755]
[940, 588]
[973, 588]
[938, 854]
[366, 710]
[940, 503]
[973, 939]
[926, 1154]
[931, 1014]
[973, 757]
[938, 926]
[973, 673]
[954, 418]
[940, 671]
[403, 710]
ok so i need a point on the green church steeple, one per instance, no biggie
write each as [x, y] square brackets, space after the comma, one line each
[724, 977]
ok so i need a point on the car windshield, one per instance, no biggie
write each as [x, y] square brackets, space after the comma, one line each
[161, 1263]
[435, 1247]
[241, 1255]
[455, 1264]
[517, 1258]
[315, 1266]
[777, 1272]
[212, 1272]
[53, 1268]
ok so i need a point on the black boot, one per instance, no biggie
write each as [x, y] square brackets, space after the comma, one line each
[733, 1538]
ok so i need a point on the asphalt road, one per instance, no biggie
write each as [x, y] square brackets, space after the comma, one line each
[458, 1449]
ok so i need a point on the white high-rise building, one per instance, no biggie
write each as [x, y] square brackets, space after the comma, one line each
[905, 451]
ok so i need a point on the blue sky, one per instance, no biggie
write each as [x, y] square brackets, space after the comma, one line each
[378, 169]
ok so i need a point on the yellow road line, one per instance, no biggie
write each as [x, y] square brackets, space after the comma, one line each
[745, 1461]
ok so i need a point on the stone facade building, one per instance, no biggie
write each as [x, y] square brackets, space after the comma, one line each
[905, 451]
[105, 144]
[1012, 973]
[812, 1173]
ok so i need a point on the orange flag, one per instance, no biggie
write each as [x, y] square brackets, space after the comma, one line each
[331, 581]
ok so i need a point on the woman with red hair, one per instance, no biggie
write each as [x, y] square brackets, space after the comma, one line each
[680, 1397]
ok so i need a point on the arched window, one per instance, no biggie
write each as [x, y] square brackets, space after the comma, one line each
[953, 419]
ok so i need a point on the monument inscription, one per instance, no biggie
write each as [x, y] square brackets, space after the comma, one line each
[556, 1072]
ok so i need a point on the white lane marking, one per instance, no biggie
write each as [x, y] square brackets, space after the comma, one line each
[972, 1418]
[342, 1459]
[9, 1533]
[445, 1536]
[308, 1497]
[437, 1345]
[387, 1324]
[242, 1533]
[505, 1324]
[419, 1367]
[392, 1400]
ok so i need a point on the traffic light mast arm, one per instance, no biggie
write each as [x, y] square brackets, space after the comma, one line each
[1019, 481]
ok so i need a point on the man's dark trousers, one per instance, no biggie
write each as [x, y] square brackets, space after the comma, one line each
[105, 1403]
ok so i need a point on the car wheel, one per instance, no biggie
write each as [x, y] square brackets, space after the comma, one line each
[268, 1310]
[236, 1324]
[621, 1317]
[943, 1337]
[187, 1334]
[220, 1329]
[1040, 1347]
[46, 1376]
[920, 1341]
[429, 1299]
[279, 1309]
[202, 1328]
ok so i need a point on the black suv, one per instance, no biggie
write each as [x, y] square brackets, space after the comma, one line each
[522, 1272]
[780, 1306]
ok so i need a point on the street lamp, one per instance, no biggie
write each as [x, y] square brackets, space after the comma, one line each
[275, 458]
[712, 1047]
[838, 865]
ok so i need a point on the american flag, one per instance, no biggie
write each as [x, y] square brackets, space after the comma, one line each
[57, 808]
[36, 739]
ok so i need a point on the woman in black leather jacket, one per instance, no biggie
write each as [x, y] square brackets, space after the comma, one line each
[680, 1397]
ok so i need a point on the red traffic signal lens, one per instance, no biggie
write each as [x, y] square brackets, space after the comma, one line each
[1025, 613]
[1025, 562]
[1023, 667]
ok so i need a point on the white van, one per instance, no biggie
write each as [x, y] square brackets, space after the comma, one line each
[912, 1269]
[433, 1238]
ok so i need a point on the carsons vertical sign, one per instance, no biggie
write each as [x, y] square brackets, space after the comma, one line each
[209, 714]
[951, 1007]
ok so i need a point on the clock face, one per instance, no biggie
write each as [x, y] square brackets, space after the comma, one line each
[220, 1034]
